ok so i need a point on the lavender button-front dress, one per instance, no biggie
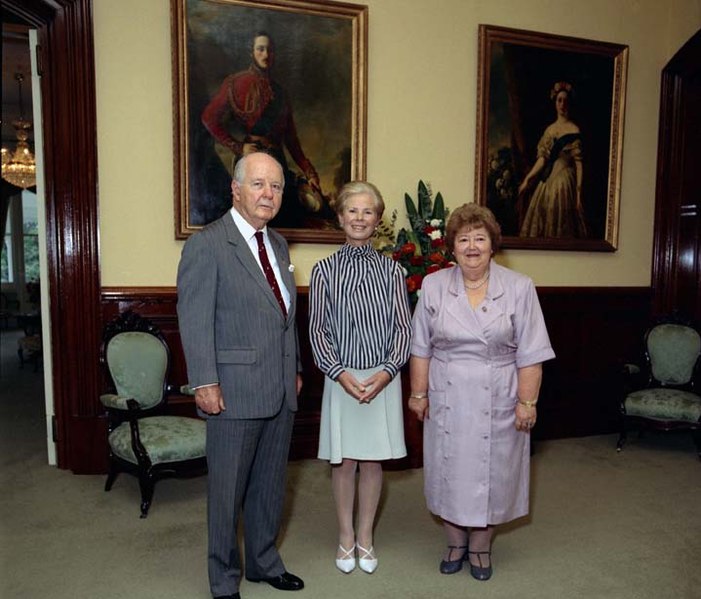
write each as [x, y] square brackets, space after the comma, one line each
[476, 464]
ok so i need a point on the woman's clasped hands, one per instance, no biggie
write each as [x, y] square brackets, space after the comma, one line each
[367, 390]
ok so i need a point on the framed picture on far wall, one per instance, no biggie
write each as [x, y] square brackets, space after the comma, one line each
[288, 77]
[550, 138]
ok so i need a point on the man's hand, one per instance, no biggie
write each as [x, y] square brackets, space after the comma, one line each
[209, 399]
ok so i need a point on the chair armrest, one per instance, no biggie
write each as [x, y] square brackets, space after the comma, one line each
[115, 402]
[631, 369]
[632, 378]
[187, 390]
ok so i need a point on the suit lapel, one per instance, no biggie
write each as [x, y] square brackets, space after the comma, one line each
[244, 255]
[283, 262]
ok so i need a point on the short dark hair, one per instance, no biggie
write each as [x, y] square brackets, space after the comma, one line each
[262, 33]
[473, 216]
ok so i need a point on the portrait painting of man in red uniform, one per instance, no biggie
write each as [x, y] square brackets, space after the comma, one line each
[283, 82]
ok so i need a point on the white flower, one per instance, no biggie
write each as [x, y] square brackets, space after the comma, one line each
[291, 268]
[435, 234]
[436, 222]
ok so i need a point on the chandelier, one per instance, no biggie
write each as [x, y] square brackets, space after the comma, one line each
[18, 167]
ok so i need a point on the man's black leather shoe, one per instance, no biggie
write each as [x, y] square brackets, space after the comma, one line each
[284, 582]
[234, 596]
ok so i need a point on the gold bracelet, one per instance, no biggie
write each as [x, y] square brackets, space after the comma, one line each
[418, 396]
[528, 404]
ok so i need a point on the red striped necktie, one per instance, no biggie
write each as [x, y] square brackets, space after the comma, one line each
[268, 270]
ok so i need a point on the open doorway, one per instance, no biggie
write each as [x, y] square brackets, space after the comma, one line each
[27, 398]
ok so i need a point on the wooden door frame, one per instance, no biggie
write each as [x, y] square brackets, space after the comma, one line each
[67, 69]
[670, 172]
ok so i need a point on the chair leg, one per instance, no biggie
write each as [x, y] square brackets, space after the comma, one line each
[111, 476]
[146, 484]
[623, 436]
[696, 435]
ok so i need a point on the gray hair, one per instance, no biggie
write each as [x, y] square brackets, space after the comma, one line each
[354, 188]
[240, 167]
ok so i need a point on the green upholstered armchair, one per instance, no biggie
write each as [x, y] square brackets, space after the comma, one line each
[143, 440]
[664, 395]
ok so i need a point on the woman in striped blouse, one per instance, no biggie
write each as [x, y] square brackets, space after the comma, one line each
[360, 331]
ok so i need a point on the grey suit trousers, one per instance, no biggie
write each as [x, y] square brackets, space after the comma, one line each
[247, 462]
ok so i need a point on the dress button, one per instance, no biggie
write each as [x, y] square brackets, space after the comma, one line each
[484, 308]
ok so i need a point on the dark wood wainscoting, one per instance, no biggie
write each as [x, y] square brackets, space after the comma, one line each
[593, 331]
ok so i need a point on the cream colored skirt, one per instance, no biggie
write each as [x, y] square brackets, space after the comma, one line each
[349, 429]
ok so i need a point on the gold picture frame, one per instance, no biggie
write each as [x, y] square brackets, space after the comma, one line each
[304, 102]
[550, 112]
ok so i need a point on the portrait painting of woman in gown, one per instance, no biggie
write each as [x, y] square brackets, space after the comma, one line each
[554, 182]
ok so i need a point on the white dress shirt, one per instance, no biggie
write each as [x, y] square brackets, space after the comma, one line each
[249, 234]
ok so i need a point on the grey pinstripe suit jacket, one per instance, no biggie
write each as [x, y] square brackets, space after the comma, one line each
[232, 329]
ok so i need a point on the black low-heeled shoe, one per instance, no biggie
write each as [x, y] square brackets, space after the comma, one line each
[481, 572]
[452, 566]
[284, 582]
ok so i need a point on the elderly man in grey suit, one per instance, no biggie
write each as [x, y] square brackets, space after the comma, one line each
[236, 310]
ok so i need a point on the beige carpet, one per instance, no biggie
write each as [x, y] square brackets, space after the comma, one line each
[602, 525]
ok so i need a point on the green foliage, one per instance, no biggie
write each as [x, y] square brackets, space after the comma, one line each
[420, 249]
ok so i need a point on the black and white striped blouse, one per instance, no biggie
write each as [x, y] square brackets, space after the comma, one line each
[358, 312]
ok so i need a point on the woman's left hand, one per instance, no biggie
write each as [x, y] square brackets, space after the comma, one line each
[525, 418]
[373, 385]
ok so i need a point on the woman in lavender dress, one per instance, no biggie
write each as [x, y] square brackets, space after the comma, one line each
[479, 341]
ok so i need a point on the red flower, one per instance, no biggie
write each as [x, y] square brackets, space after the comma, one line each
[408, 248]
[428, 229]
[437, 243]
[416, 260]
[436, 258]
[432, 268]
[396, 255]
[413, 282]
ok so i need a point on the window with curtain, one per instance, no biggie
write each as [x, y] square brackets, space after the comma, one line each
[19, 260]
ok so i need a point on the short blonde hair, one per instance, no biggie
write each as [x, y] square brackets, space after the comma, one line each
[354, 188]
[473, 216]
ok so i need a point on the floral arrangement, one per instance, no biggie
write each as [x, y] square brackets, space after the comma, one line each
[420, 249]
[502, 190]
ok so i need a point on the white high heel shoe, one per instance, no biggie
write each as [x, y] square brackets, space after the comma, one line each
[367, 560]
[346, 563]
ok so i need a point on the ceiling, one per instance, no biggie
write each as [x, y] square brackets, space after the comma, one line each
[15, 59]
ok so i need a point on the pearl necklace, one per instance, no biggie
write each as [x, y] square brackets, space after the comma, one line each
[477, 285]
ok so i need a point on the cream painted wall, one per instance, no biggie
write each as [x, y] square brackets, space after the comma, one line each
[421, 123]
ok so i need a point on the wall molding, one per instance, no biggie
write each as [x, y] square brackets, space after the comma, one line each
[594, 330]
